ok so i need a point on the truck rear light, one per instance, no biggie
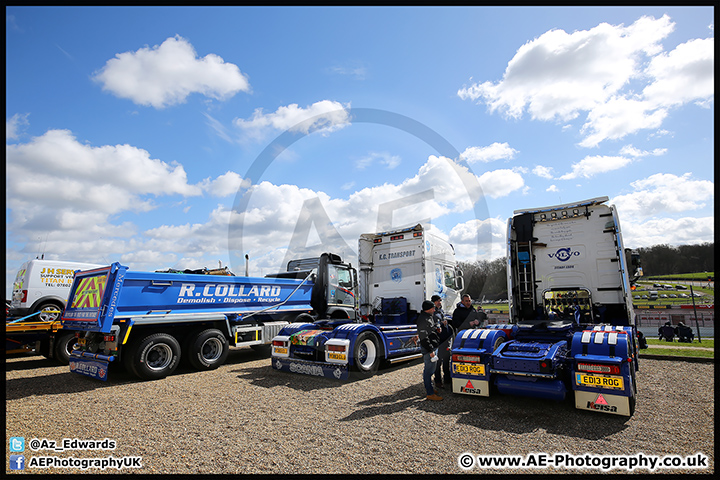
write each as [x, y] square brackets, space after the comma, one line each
[24, 296]
[336, 348]
[597, 368]
[545, 366]
[377, 240]
[109, 338]
[466, 358]
[397, 237]
[417, 234]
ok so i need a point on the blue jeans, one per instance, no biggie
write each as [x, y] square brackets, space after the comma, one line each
[428, 372]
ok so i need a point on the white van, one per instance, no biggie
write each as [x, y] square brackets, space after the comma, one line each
[44, 286]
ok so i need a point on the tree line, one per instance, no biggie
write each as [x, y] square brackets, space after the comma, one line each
[487, 278]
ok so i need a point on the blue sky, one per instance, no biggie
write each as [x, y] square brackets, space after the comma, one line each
[180, 137]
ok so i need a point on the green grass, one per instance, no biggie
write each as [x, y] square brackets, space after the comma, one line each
[704, 344]
[680, 349]
[700, 277]
[679, 352]
[496, 307]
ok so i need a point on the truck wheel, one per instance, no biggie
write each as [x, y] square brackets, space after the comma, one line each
[63, 346]
[49, 312]
[366, 353]
[303, 318]
[498, 341]
[208, 350]
[154, 357]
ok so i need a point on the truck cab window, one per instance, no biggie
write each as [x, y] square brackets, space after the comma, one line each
[449, 274]
[340, 286]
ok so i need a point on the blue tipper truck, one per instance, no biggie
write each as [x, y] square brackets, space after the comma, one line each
[397, 270]
[571, 327]
[150, 320]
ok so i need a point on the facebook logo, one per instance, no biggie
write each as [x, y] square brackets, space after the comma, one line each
[17, 444]
[17, 462]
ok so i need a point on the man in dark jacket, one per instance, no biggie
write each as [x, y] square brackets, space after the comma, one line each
[465, 316]
[429, 341]
[442, 366]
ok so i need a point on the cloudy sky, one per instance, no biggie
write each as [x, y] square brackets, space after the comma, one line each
[183, 137]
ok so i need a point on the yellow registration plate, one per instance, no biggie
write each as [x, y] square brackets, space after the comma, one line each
[469, 368]
[336, 356]
[281, 350]
[599, 381]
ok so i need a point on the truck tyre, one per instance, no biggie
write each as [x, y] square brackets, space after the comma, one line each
[50, 312]
[153, 357]
[63, 346]
[366, 353]
[498, 341]
[208, 350]
[303, 318]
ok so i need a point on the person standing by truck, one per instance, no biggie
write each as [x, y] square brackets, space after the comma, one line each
[465, 316]
[429, 341]
[442, 366]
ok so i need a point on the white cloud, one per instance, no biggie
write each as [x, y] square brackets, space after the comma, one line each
[12, 126]
[57, 154]
[618, 117]
[66, 196]
[631, 151]
[225, 185]
[680, 231]
[500, 183]
[218, 127]
[325, 116]
[559, 76]
[479, 239]
[543, 172]
[356, 70]
[594, 165]
[496, 151]
[664, 193]
[166, 74]
[383, 158]
[272, 214]
[683, 75]
[552, 188]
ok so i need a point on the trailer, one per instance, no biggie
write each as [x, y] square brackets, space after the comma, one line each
[150, 321]
[31, 334]
[571, 327]
[397, 270]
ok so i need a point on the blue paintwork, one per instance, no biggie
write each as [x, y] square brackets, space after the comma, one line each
[129, 293]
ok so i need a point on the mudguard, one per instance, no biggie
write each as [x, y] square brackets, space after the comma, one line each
[603, 373]
[472, 352]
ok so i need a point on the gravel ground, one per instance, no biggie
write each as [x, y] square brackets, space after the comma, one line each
[246, 417]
